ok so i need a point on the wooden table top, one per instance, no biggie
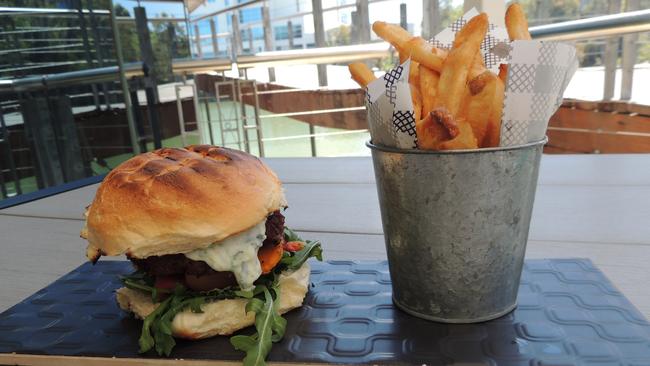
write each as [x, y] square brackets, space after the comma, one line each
[589, 206]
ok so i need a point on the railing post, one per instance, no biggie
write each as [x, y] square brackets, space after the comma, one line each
[152, 111]
[146, 50]
[430, 18]
[9, 153]
[187, 29]
[173, 45]
[179, 110]
[235, 37]
[258, 122]
[197, 41]
[137, 116]
[402, 16]
[268, 37]
[208, 117]
[354, 34]
[86, 43]
[215, 40]
[629, 56]
[133, 134]
[290, 34]
[610, 57]
[98, 51]
[363, 21]
[319, 37]
[250, 40]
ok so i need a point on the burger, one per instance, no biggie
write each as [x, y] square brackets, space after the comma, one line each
[204, 230]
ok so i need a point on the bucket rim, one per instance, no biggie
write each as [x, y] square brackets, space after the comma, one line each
[383, 148]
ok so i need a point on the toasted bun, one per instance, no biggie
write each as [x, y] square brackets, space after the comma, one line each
[177, 200]
[221, 317]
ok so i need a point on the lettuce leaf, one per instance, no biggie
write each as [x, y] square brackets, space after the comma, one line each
[263, 301]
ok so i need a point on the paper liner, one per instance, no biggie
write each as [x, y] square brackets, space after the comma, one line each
[538, 74]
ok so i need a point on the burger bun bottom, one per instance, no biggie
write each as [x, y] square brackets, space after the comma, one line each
[222, 317]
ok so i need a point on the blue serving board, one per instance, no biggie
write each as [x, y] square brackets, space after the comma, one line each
[568, 314]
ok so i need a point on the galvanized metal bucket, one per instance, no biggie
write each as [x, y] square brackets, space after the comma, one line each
[456, 225]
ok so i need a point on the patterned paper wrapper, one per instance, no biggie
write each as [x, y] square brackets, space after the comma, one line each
[538, 74]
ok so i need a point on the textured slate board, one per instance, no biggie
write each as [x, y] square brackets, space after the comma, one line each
[568, 314]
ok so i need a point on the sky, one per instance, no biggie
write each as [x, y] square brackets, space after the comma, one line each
[154, 8]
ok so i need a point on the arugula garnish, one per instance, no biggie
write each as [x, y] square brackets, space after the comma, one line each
[270, 327]
[264, 301]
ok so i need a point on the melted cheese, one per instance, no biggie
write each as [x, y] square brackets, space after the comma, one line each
[236, 254]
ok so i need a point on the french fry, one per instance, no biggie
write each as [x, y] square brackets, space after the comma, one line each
[492, 137]
[516, 23]
[464, 140]
[478, 66]
[478, 110]
[402, 53]
[417, 102]
[435, 128]
[414, 74]
[415, 47]
[503, 72]
[457, 102]
[361, 73]
[391, 33]
[395, 35]
[424, 53]
[428, 89]
[453, 76]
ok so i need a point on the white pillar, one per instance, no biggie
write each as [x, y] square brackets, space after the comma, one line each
[610, 56]
[430, 18]
[629, 56]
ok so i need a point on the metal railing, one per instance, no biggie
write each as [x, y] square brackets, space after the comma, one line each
[63, 79]
[598, 27]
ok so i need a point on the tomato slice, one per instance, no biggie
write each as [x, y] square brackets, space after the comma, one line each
[293, 246]
[166, 282]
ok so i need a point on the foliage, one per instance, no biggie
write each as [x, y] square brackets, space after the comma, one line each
[339, 36]
[128, 36]
[644, 47]
[449, 13]
[166, 48]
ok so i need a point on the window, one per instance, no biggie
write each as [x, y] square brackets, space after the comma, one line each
[250, 15]
[258, 34]
[282, 32]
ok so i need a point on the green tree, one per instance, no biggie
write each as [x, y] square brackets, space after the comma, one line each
[449, 13]
[339, 36]
[644, 47]
[169, 41]
[128, 36]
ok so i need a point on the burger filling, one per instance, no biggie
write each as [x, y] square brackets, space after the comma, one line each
[237, 260]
